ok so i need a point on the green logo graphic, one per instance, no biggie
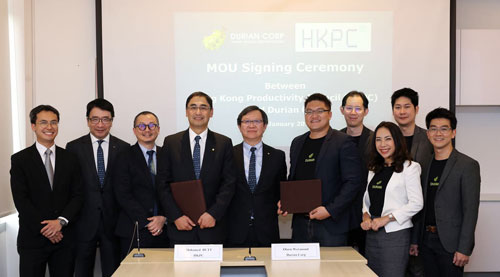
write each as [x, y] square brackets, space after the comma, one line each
[310, 156]
[379, 182]
[436, 179]
[215, 40]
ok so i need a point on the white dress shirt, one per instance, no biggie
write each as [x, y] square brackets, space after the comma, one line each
[105, 149]
[202, 143]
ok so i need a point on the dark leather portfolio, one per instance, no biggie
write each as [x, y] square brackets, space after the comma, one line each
[188, 195]
[300, 196]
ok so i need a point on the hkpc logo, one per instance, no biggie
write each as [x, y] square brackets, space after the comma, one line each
[333, 37]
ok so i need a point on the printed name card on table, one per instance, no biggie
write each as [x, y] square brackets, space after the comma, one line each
[197, 252]
[295, 251]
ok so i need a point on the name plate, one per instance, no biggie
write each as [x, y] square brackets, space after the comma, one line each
[295, 251]
[197, 252]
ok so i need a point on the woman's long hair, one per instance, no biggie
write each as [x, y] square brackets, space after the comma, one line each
[400, 154]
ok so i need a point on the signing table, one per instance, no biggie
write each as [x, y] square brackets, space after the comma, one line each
[335, 261]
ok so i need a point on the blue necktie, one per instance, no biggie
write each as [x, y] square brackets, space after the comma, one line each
[101, 171]
[196, 157]
[152, 171]
[252, 176]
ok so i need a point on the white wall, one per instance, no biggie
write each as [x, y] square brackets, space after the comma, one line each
[477, 136]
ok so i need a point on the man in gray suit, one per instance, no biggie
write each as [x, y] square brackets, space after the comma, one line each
[451, 201]
[405, 109]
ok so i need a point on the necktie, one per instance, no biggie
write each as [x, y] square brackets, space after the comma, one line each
[48, 167]
[152, 171]
[196, 157]
[101, 171]
[252, 177]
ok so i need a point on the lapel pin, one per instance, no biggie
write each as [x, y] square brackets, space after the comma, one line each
[213, 149]
[268, 153]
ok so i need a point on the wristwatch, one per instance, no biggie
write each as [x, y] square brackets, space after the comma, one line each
[63, 222]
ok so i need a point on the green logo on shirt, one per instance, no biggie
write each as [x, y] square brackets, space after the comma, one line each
[310, 158]
[435, 183]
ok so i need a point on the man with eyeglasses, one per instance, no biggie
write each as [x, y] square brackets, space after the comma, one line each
[260, 168]
[97, 154]
[135, 189]
[47, 191]
[330, 155]
[451, 201]
[197, 153]
[355, 108]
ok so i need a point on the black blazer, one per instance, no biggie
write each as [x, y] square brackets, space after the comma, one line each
[364, 149]
[338, 166]
[36, 201]
[456, 204]
[134, 190]
[421, 149]
[217, 175]
[263, 201]
[97, 202]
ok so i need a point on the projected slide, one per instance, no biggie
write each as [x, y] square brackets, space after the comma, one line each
[276, 59]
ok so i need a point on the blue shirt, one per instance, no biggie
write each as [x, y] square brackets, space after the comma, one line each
[258, 158]
[146, 156]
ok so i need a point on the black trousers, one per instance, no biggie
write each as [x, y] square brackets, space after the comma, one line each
[86, 250]
[437, 261]
[59, 257]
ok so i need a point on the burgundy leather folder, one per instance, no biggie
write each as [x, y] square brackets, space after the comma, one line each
[188, 195]
[300, 196]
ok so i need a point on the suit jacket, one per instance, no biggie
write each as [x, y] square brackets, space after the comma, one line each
[338, 166]
[98, 203]
[262, 202]
[217, 175]
[456, 203]
[403, 197]
[134, 189]
[364, 152]
[421, 148]
[36, 201]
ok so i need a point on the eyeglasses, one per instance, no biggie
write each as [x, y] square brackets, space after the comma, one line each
[104, 120]
[45, 123]
[318, 112]
[201, 108]
[349, 109]
[142, 126]
[254, 122]
[442, 130]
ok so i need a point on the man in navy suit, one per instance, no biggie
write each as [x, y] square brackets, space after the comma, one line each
[97, 153]
[260, 168]
[332, 156]
[46, 188]
[135, 189]
[197, 153]
[445, 231]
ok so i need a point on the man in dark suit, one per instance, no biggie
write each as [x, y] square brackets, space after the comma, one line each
[47, 191]
[97, 152]
[135, 189]
[329, 155]
[405, 109]
[197, 153]
[451, 201]
[355, 108]
[252, 214]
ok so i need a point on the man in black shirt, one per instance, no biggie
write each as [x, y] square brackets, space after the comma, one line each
[329, 155]
[405, 109]
[451, 201]
[355, 108]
